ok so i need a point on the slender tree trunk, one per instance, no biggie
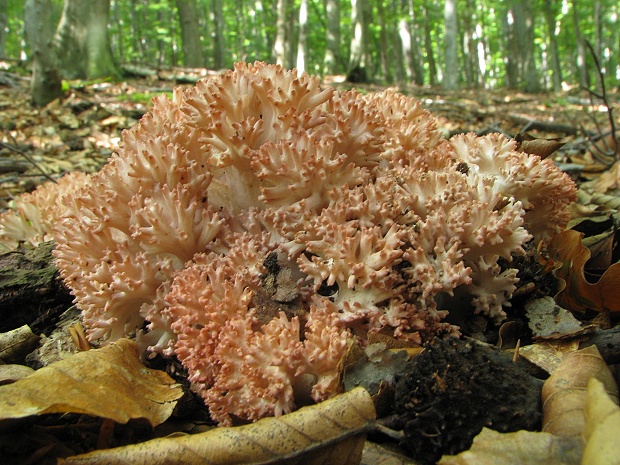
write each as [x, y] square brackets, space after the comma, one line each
[333, 60]
[384, 44]
[584, 79]
[218, 35]
[430, 52]
[451, 68]
[556, 70]
[302, 38]
[46, 84]
[511, 50]
[279, 46]
[190, 34]
[406, 45]
[524, 22]
[357, 59]
[82, 42]
[241, 29]
[290, 50]
[3, 26]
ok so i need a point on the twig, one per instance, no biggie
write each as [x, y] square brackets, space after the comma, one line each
[603, 96]
[27, 157]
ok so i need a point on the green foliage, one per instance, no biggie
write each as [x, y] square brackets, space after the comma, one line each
[148, 32]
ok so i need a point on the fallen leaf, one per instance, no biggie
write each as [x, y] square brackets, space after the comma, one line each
[518, 448]
[17, 343]
[548, 354]
[545, 318]
[602, 428]
[579, 294]
[564, 392]
[332, 432]
[110, 382]
[541, 147]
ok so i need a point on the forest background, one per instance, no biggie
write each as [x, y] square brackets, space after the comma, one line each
[530, 45]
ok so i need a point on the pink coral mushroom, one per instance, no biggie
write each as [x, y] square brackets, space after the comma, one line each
[258, 224]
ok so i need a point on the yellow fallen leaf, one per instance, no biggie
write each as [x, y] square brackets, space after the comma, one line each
[564, 392]
[110, 382]
[518, 448]
[578, 294]
[332, 432]
[602, 427]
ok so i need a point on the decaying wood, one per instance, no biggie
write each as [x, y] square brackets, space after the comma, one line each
[30, 289]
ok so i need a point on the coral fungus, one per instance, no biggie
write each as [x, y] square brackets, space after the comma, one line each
[258, 223]
[34, 214]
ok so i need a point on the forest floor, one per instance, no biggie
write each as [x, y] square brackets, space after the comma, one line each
[83, 130]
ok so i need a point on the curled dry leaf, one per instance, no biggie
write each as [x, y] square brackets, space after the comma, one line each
[579, 294]
[564, 393]
[332, 432]
[17, 343]
[110, 382]
[602, 426]
[518, 448]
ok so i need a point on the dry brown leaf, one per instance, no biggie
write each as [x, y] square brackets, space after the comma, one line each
[376, 454]
[564, 393]
[519, 448]
[548, 355]
[111, 383]
[602, 427]
[17, 343]
[12, 372]
[332, 432]
[541, 147]
[578, 294]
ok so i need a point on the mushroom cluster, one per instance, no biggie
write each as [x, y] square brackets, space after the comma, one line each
[257, 224]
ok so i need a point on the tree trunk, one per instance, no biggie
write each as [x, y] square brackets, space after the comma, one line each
[302, 37]
[524, 30]
[219, 50]
[46, 84]
[556, 70]
[190, 34]
[279, 46]
[430, 53]
[82, 42]
[332, 36]
[4, 21]
[451, 68]
[511, 50]
[357, 72]
[384, 44]
[584, 79]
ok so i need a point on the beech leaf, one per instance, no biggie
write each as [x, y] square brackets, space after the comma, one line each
[332, 432]
[602, 426]
[564, 392]
[578, 294]
[518, 448]
[110, 383]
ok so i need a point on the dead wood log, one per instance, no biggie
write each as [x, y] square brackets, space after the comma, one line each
[31, 291]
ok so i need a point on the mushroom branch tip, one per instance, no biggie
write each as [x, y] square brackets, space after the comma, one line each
[258, 223]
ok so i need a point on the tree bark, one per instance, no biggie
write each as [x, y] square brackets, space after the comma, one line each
[451, 68]
[524, 28]
[82, 42]
[190, 34]
[46, 84]
[332, 36]
[428, 45]
[3, 26]
[302, 38]
[556, 70]
[279, 46]
[357, 60]
[219, 48]
[584, 79]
